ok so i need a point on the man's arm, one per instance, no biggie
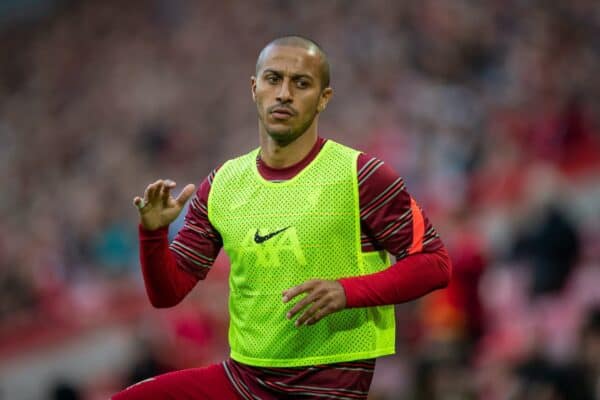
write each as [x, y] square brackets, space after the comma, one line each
[406, 280]
[395, 222]
[166, 283]
[171, 271]
[390, 220]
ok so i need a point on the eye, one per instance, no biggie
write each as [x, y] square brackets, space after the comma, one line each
[272, 79]
[302, 83]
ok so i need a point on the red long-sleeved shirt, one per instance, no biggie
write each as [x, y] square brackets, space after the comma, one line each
[390, 220]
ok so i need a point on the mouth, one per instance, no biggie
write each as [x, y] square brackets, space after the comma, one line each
[281, 113]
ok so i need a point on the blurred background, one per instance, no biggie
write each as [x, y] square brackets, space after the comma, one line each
[489, 109]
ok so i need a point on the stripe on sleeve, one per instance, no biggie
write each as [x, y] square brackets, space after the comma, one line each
[393, 227]
[198, 206]
[383, 198]
[418, 228]
[211, 176]
[368, 169]
[201, 230]
[191, 255]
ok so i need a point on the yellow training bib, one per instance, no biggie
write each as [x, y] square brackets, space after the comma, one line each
[280, 234]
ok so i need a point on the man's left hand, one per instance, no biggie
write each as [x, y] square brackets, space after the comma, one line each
[323, 297]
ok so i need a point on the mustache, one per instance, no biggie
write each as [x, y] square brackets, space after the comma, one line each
[282, 107]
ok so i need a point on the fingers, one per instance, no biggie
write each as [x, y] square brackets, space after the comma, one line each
[319, 315]
[158, 191]
[311, 313]
[324, 297]
[185, 194]
[138, 202]
[150, 195]
[165, 191]
[296, 290]
[300, 305]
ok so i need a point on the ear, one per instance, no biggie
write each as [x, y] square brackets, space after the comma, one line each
[324, 99]
[253, 87]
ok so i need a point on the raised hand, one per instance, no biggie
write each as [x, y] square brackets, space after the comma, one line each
[323, 297]
[158, 208]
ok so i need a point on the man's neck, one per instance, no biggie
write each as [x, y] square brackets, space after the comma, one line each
[276, 156]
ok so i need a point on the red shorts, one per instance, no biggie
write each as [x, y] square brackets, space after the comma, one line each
[208, 383]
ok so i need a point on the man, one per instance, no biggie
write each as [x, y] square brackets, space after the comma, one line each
[306, 223]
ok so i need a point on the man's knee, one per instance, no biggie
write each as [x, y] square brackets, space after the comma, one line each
[140, 390]
[210, 383]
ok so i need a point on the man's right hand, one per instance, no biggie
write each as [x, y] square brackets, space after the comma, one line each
[158, 208]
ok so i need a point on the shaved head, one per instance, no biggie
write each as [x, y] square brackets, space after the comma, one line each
[301, 42]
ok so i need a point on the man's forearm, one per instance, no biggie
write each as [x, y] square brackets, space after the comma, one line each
[166, 283]
[406, 280]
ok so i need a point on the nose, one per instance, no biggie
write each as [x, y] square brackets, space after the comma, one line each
[284, 95]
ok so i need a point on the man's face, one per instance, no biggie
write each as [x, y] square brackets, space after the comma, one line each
[287, 91]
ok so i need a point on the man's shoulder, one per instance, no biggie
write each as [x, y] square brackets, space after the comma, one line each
[245, 158]
[235, 167]
[363, 156]
[336, 144]
[340, 148]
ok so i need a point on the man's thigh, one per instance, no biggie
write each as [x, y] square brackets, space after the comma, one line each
[208, 383]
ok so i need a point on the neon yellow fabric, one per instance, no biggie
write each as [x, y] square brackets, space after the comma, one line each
[280, 234]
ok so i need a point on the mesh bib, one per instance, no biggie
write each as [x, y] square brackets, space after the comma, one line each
[278, 235]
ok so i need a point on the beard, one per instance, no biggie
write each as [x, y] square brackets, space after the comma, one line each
[284, 136]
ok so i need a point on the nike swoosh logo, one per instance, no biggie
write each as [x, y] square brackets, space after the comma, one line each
[260, 239]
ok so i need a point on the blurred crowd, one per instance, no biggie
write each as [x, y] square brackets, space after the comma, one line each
[489, 109]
